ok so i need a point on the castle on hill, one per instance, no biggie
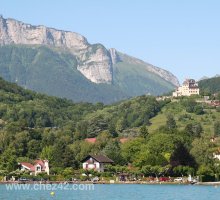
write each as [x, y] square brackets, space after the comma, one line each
[189, 87]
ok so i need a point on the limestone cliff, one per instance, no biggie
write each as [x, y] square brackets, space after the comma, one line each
[95, 62]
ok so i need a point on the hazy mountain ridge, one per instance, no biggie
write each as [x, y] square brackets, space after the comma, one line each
[210, 85]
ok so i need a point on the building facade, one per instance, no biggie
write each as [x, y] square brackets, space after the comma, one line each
[189, 87]
[96, 162]
[39, 166]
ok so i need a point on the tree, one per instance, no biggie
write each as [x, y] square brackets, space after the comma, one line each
[34, 148]
[147, 158]
[144, 132]
[197, 129]
[8, 160]
[217, 129]
[190, 105]
[4, 139]
[48, 138]
[102, 139]
[193, 129]
[112, 130]
[160, 143]
[68, 159]
[201, 151]
[181, 156]
[205, 170]
[131, 149]
[171, 123]
[113, 151]
[183, 170]
[120, 125]
[198, 109]
[20, 143]
[146, 170]
[144, 157]
[218, 96]
[82, 127]
[157, 170]
[59, 149]
[47, 153]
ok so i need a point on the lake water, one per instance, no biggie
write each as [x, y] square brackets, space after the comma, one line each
[117, 192]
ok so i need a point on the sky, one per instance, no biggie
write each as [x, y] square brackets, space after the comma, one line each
[182, 37]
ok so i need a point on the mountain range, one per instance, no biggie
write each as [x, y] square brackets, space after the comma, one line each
[65, 64]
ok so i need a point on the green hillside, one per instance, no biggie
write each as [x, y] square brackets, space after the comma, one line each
[135, 79]
[210, 86]
[54, 72]
[31, 122]
[182, 117]
[170, 138]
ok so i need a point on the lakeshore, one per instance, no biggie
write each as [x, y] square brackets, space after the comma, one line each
[111, 182]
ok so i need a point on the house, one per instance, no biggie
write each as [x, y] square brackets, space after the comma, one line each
[96, 162]
[189, 87]
[39, 166]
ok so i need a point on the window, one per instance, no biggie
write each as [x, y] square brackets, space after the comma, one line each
[38, 168]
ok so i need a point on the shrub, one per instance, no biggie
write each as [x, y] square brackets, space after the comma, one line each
[207, 178]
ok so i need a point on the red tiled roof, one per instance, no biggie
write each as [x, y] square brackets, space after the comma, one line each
[32, 167]
[40, 162]
[27, 165]
[123, 140]
[93, 140]
[90, 140]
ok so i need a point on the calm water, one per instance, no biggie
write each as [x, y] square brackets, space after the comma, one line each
[118, 192]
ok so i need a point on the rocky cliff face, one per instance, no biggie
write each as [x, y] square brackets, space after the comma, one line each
[95, 62]
[15, 32]
[115, 58]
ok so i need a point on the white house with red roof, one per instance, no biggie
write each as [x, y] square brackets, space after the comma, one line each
[39, 166]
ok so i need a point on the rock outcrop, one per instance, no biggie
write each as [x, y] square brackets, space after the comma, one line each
[115, 58]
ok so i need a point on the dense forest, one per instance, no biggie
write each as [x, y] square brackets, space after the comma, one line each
[164, 137]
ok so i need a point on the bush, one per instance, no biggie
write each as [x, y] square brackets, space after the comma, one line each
[106, 174]
[205, 170]
[42, 176]
[207, 178]
[198, 110]
[84, 178]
